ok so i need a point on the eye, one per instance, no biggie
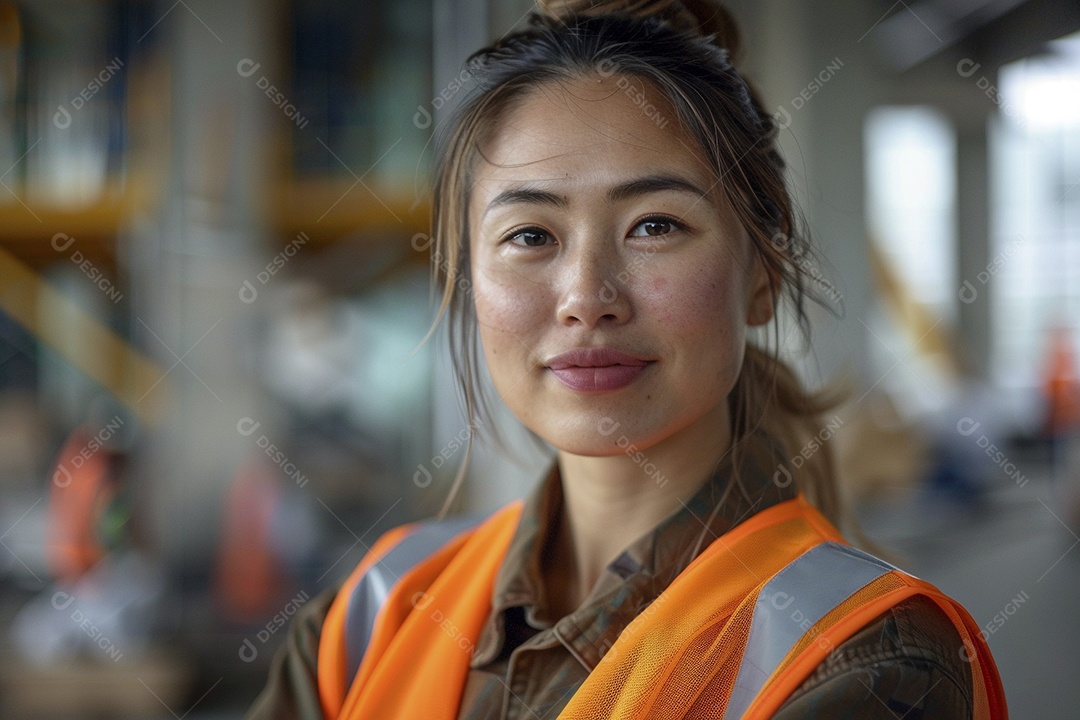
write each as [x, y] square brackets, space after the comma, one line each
[655, 225]
[528, 237]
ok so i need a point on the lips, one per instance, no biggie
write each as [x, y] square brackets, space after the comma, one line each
[597, 369]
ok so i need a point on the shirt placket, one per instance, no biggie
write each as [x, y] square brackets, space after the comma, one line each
[527, 691]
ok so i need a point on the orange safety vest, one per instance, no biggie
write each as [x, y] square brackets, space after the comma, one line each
[82, 488]
[732, 636]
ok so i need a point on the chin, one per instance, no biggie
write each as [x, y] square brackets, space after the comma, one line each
[600, 436]
[603, 447]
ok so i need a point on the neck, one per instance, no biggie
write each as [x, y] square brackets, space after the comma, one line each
[609, 502]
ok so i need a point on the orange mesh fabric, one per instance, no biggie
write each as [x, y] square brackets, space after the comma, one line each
[678, 659]
[676, 663]
[425, 633]
[331, 662]
[714, 680]
[657, 661]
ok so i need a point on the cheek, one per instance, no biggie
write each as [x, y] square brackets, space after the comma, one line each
[707, 301]
[508, 309]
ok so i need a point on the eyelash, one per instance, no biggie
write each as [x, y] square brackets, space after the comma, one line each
[530, 229]
[676, 226]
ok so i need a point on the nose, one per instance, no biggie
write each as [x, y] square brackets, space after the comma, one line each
[593, 289]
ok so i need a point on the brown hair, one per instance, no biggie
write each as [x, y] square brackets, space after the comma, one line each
[686, 50]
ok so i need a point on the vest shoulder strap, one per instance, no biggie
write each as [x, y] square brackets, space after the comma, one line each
[792, 602]
[368, 595]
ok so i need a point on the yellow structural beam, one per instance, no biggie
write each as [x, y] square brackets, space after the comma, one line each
[129, 375]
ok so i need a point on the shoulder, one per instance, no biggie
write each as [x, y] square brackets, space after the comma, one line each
[291, 689]
[910, 659]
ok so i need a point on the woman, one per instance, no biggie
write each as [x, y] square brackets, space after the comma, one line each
[610, 219]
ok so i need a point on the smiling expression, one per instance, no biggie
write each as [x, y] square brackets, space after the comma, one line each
[597, 229]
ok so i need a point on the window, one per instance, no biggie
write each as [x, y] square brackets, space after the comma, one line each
[1035, 221]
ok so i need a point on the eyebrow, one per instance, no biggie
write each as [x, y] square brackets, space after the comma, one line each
[654, 184]
[624, 191]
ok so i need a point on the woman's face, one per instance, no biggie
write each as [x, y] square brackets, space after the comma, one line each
[594, 223]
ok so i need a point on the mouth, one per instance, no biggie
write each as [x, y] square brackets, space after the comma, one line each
[599, 369]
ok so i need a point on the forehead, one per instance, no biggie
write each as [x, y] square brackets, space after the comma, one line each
[587, 133]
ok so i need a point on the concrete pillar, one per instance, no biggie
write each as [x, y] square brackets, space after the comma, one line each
[973, 243]
[188, 261]
[461, 28]
[813, 66]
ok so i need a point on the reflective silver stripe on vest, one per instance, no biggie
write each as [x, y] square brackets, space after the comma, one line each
[790, 603]
[373, 588]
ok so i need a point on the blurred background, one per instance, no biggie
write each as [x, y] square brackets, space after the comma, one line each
[213, 278]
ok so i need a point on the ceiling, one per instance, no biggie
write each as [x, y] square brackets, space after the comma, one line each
[997, 31]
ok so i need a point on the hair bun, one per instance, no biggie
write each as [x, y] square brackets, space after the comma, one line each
[701, 17]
